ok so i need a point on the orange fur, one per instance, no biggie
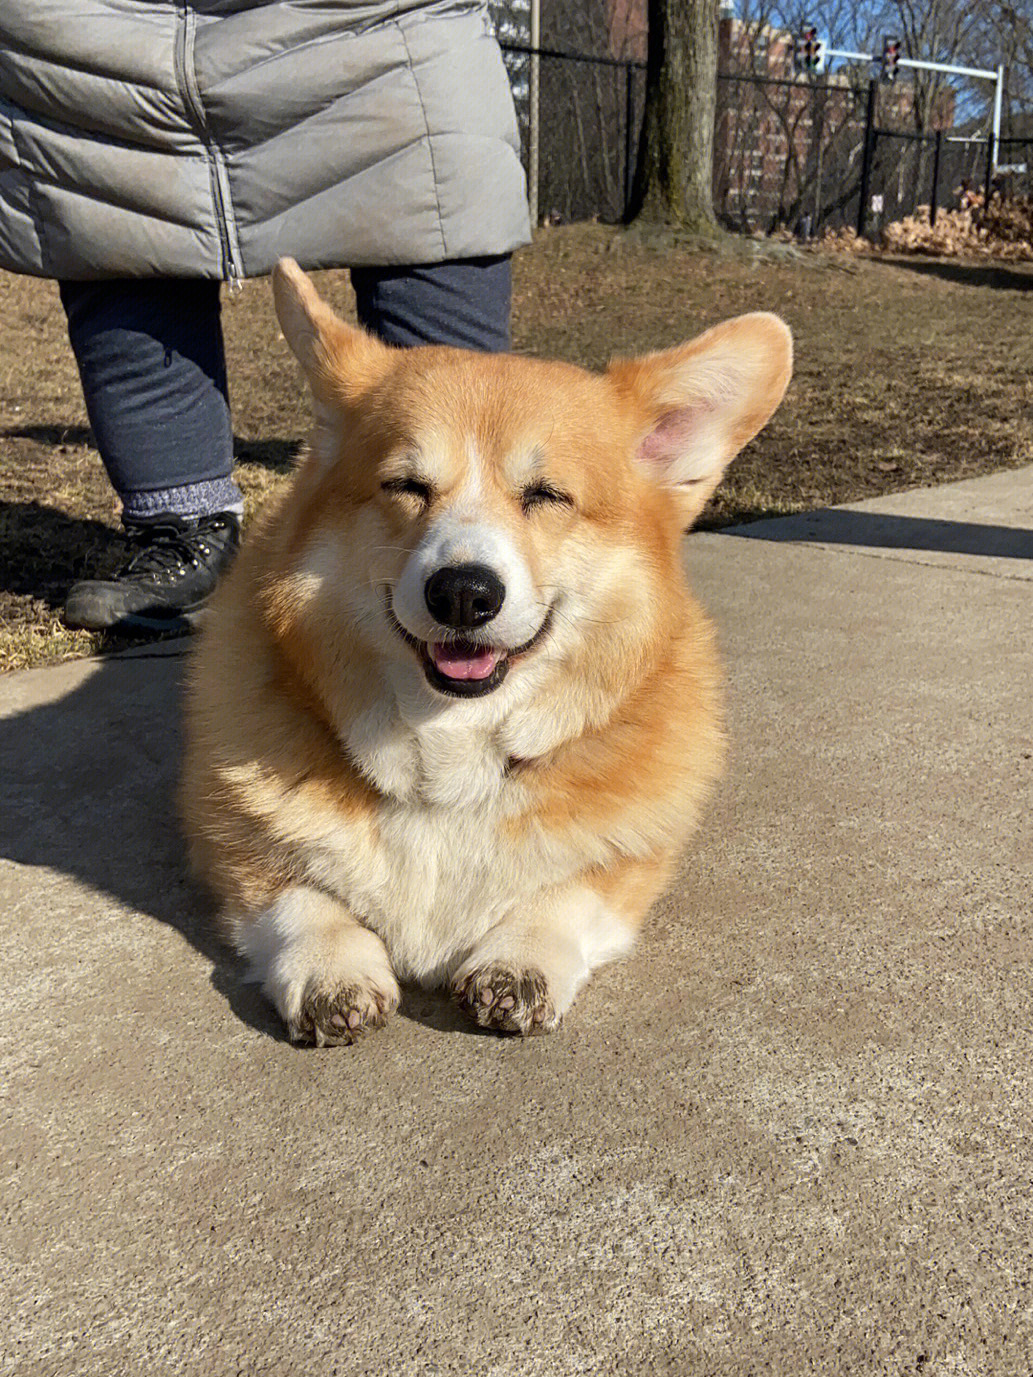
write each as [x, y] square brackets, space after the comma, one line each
[356, 823]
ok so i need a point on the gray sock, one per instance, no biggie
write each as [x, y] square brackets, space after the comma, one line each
[188, 500]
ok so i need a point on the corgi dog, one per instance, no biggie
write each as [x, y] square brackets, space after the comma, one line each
[454, 712]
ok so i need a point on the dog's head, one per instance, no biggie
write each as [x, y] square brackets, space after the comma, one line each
[486, 523]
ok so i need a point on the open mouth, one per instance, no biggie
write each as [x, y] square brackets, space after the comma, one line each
[463, 668]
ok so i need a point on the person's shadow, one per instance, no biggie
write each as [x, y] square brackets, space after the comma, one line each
[89, 789]
[45, 550]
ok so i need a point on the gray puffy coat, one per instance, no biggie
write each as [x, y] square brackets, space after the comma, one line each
[207, 138]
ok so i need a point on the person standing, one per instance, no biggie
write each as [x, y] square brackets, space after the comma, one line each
[149, 154]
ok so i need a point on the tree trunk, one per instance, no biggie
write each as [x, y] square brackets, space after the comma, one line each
[674, 181]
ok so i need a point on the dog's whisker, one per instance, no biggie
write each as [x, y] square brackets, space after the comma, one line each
[577, 619]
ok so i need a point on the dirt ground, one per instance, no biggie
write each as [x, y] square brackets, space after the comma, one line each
[909, 372]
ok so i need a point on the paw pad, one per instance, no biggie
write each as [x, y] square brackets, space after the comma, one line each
[508, 1001]
[340, 1016]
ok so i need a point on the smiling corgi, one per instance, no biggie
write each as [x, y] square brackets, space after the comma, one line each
[454, 712]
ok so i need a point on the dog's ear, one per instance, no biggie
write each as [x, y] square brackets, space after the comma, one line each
[339, 361]
[701, 402]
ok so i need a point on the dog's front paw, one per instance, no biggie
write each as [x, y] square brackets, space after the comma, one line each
[510, 1001]
[329, 978]
[341, 1015]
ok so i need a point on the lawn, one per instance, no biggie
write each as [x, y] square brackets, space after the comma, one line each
[909, 372]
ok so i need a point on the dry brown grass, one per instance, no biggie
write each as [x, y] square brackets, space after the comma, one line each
[907, 374]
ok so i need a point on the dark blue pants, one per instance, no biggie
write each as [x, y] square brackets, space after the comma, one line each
[153, 369]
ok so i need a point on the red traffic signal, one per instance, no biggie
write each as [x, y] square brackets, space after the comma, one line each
[809, 50]
[890, 57]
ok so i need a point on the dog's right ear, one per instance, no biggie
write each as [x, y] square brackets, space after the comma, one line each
[340, 362]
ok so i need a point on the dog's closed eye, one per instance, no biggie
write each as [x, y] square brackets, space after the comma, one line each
[409, 487]
[541, 494]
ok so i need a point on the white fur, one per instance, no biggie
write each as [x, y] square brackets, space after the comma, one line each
[306, 939]
[465, 535]
[433, 879]
[565, 935]
[377, 740]
[431, 884]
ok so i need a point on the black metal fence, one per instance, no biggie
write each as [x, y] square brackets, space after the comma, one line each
[911, 170]
[590, 122]
[802, 155]
[787, 154]
[1015, 175]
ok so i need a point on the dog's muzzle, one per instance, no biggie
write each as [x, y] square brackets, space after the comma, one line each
[462, 667]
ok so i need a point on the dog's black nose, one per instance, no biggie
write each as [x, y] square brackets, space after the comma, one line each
[464, 595]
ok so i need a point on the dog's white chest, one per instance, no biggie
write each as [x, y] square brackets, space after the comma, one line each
[448, 764]
[429, 880]
[436, 867]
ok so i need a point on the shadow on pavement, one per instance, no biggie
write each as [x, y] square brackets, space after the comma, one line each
[90, 791]
[877, 530]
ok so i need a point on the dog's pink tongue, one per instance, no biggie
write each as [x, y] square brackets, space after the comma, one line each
[464, 662]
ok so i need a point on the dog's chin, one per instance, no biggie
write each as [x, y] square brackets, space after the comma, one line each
[466, 669]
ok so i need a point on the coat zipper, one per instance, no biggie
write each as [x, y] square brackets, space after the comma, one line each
[232, 269]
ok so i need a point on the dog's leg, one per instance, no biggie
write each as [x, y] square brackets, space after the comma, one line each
[524, 973]
[329, 977]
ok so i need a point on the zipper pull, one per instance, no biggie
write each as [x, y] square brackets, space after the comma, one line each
[236, 286]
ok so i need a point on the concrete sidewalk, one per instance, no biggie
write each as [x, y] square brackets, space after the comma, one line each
[793, 1133]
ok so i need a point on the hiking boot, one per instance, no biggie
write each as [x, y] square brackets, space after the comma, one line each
[174, 564]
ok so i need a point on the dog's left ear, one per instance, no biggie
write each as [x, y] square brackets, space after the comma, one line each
[702, 401]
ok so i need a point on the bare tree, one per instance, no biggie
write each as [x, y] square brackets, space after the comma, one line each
[937, 31]
[674, 183]
[1005, 34]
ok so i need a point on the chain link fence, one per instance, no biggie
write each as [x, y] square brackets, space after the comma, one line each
[800, 155]
[591, 119]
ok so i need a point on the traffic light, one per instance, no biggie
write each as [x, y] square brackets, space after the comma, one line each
[809, 50]
[890, 57]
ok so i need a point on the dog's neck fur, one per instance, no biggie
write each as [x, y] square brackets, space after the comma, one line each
[442, 762]
[414, 747]
[462, 754]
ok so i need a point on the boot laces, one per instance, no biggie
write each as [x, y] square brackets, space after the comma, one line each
[168, 552]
